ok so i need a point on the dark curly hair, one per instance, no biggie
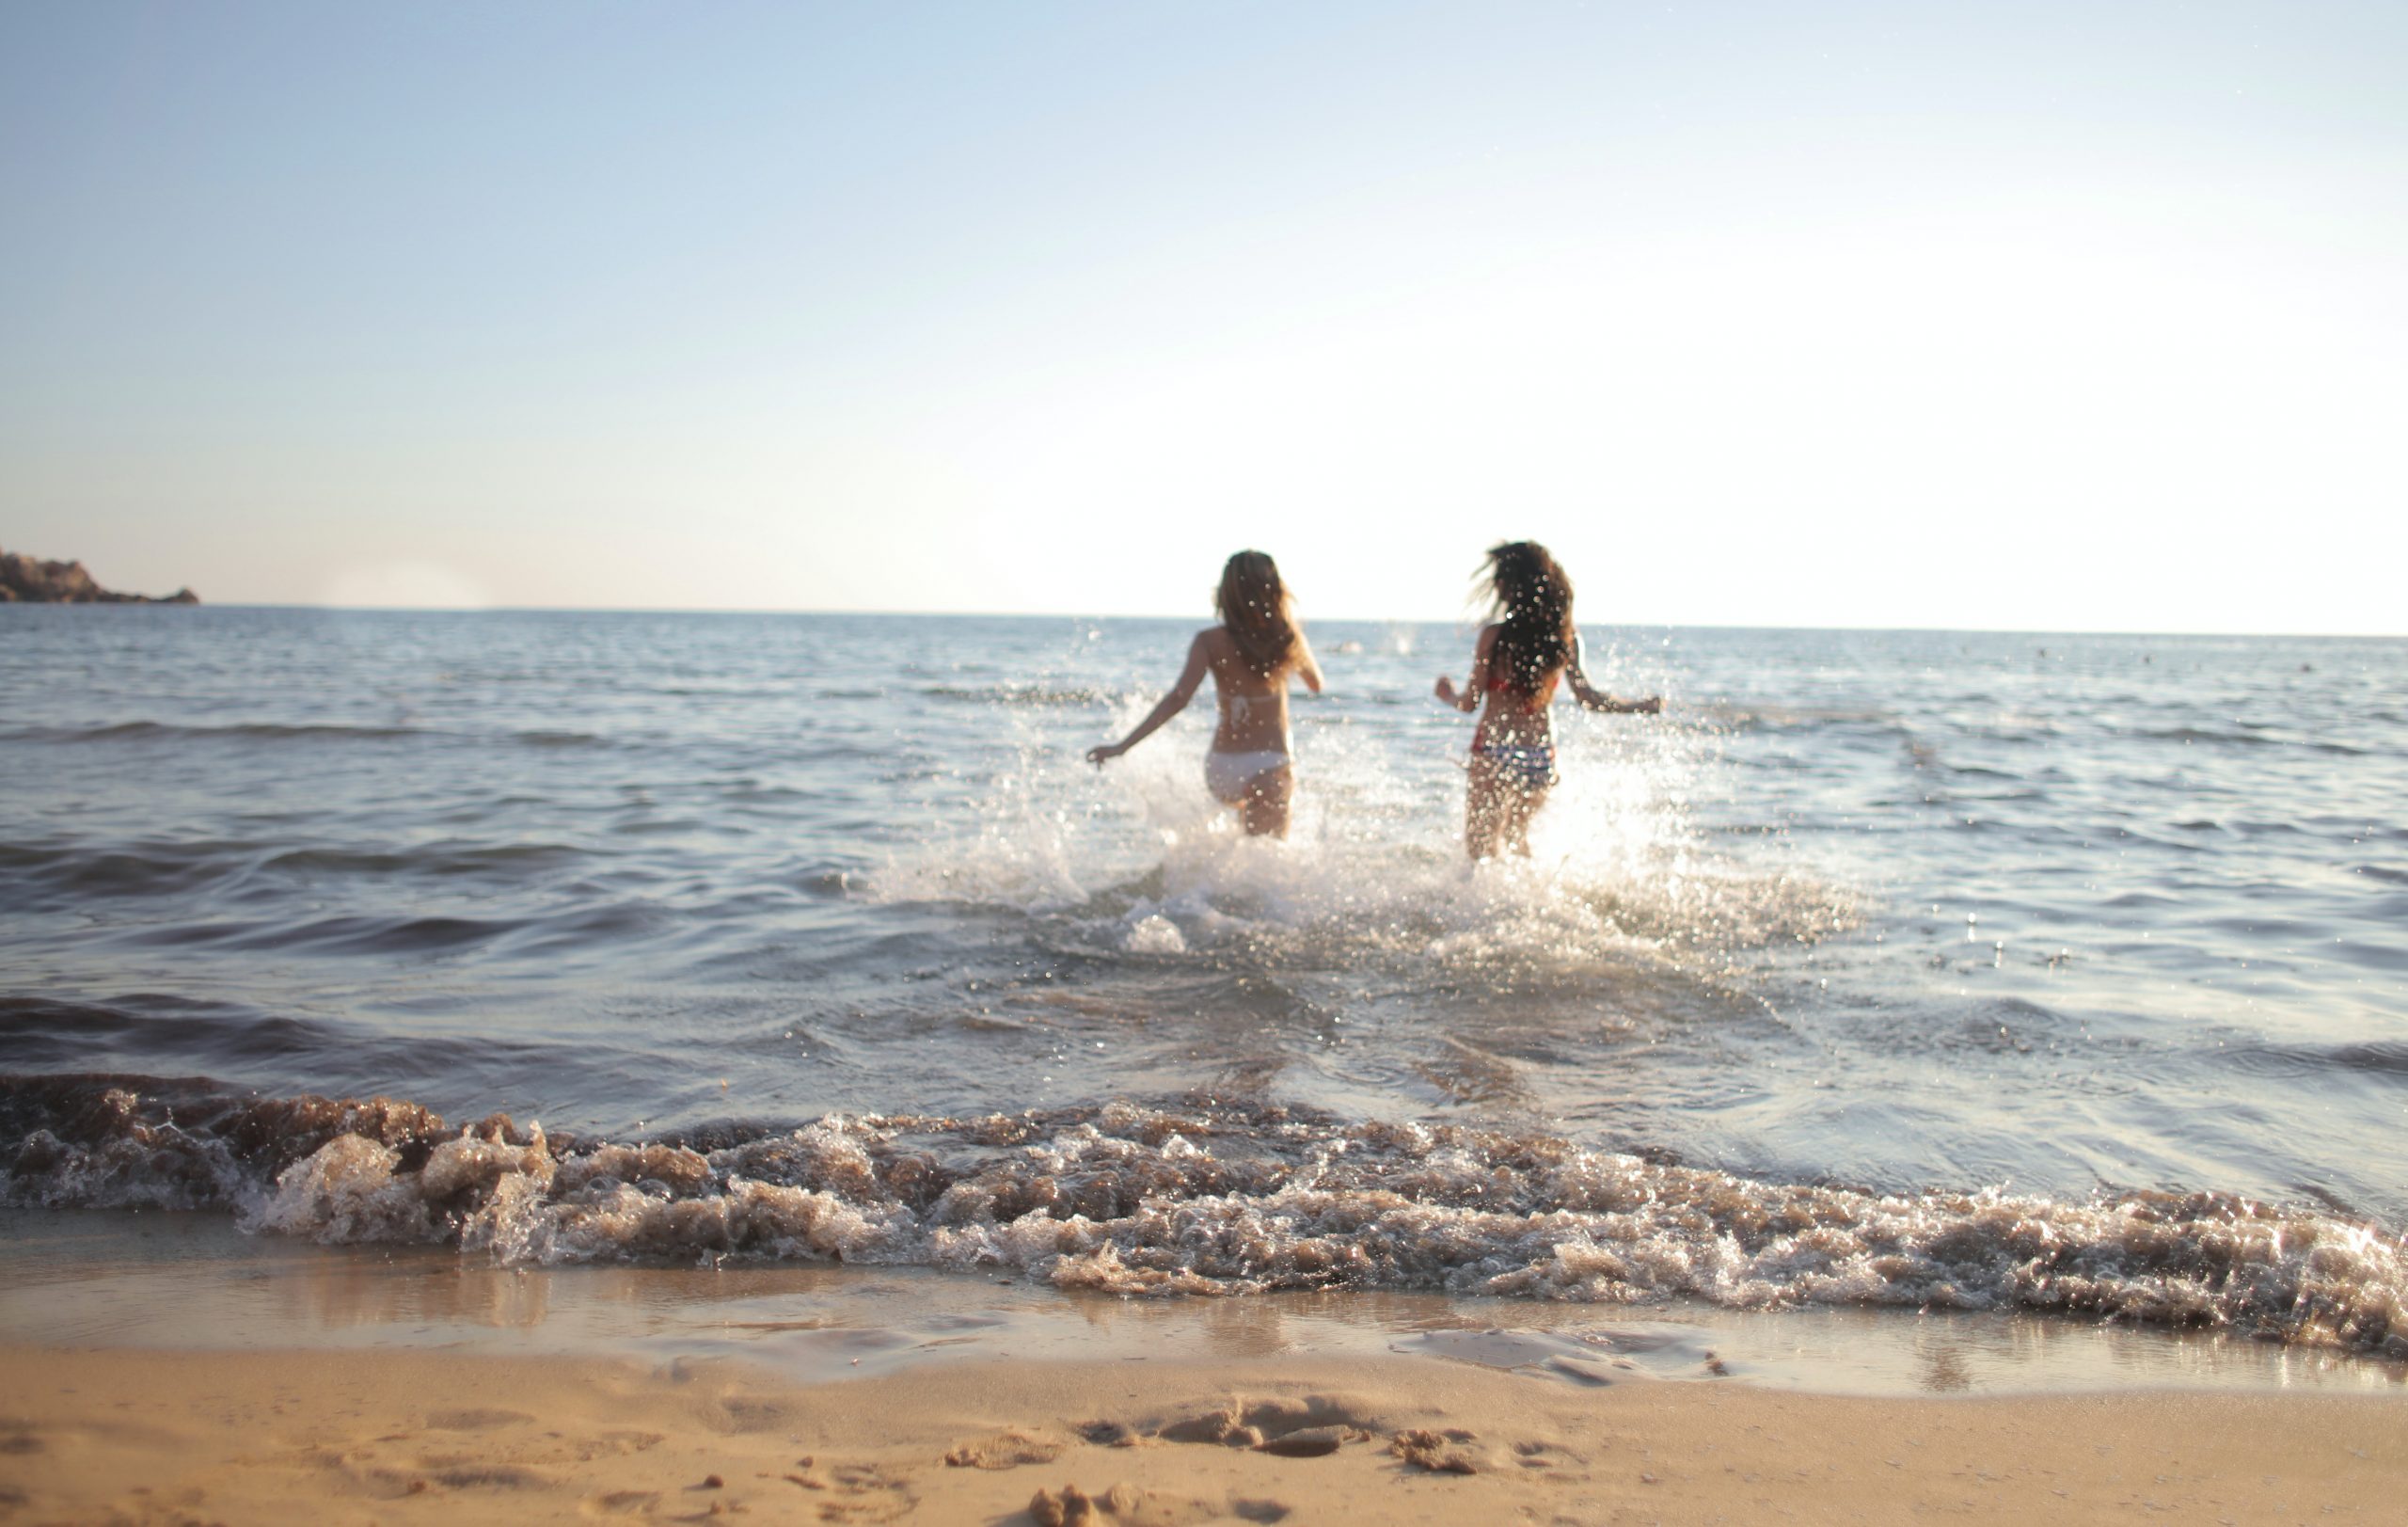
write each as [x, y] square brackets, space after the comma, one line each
[1531, 596]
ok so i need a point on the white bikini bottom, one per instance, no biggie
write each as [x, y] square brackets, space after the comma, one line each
[1227, 774]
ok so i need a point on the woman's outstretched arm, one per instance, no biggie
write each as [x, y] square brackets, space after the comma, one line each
[1171, 704]
[1597, 699]
[1308, 667]
[1467, 699]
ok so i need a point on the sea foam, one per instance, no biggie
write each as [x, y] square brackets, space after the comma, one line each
[1200, 1197]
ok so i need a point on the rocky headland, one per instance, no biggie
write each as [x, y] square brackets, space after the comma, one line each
[29, 580]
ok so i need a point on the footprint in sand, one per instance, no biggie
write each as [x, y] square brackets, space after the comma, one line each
[1311, 1427]
[856, 1492]
[622, 1504]
[475, 1419]
[1124, 1506]
[751, 1413]
[611, 1445]
[1441, 1453]
[1004, 1450]
[491, 1477]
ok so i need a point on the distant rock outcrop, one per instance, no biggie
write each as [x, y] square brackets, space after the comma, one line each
[25, 581]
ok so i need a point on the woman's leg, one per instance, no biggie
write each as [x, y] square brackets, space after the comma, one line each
[1485, 793]
[1498, 807]
[1522, 803]
[1263, 809]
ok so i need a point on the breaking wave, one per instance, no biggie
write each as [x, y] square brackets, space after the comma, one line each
[1201, 1196]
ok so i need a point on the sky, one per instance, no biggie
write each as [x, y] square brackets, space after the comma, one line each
[2017, 316]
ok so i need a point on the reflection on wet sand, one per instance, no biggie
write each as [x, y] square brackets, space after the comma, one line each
[192, 1281]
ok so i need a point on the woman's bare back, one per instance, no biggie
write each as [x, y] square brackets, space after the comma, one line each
[1254, 709]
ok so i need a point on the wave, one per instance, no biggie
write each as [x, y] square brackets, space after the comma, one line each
[1780, 718]
[1039, 696]
[332, 936]
[2250, 736]
[154, 867]
[1202, 1196]
[275, 731]
[446, 858]
[133, 868]
[2378, 1057]
[41, 1031]
[2373, 1057]
[130, 730]
[557, 738]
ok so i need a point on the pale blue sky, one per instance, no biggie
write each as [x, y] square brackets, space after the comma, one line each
[2030, 315]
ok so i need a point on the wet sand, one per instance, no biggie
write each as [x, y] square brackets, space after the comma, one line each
[175, 1281]
[392, 1436]
[167, 1368]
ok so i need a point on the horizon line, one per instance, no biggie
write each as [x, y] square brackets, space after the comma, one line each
[1355, 620]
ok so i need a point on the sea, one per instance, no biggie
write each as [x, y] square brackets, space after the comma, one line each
[1997, 977]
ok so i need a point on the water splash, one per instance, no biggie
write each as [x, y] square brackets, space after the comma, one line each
[1139, 859]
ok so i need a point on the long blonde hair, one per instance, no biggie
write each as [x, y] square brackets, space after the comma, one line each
[1254, 605]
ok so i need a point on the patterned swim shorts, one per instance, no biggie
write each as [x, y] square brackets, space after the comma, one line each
[1532, 768]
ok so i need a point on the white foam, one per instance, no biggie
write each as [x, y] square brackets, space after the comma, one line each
[1138, 1201]
[1138, 860]
[1221, 1198]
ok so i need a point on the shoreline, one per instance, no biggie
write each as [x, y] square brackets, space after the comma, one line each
[169, 1367]
[173, 1280]
[400, 1436]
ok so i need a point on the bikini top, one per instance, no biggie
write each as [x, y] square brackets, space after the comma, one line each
[1500, 683]
[1241, 705]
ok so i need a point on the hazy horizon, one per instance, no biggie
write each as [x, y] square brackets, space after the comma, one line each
[2043, 317]
[1466, 623]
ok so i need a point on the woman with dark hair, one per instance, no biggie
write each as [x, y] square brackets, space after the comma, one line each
[1514, 665]
[1249, 655]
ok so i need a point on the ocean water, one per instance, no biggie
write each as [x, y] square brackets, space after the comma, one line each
[1987, 974]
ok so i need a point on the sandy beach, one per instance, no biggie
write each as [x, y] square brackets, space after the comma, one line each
[399, 1435]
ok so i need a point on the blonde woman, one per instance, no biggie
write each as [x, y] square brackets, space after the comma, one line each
[1250, 655]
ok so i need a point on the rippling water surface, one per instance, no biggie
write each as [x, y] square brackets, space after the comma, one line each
[1933, 969]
